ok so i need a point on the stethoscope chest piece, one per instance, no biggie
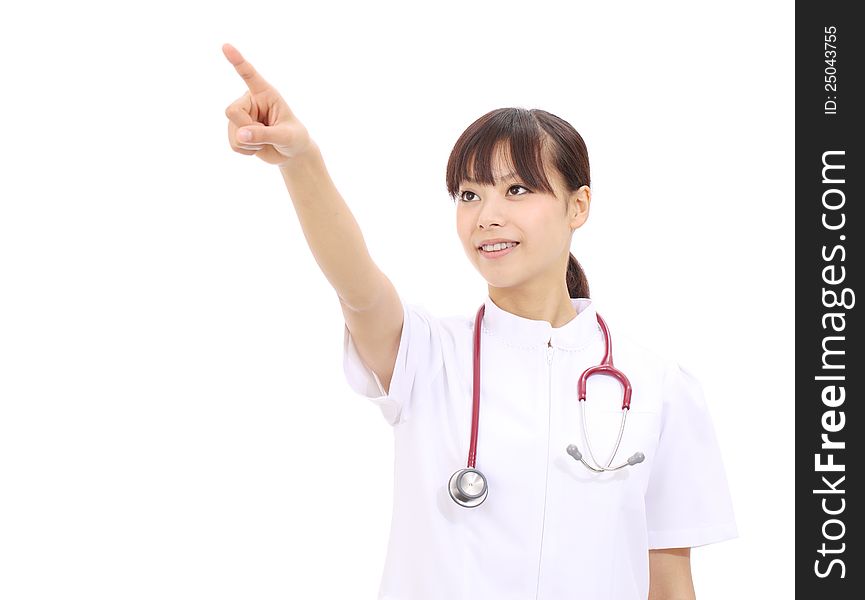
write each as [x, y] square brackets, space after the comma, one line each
[468, 487]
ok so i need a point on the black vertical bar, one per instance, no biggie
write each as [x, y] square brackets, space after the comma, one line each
[830, 364]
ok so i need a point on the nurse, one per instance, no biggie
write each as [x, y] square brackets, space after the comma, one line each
[548, 527]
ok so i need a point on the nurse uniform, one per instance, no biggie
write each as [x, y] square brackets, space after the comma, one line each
[549, 529]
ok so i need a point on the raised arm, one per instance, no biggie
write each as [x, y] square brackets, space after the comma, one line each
[261, 123]
[370, 303]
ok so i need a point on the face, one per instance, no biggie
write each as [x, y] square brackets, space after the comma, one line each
[535, 219]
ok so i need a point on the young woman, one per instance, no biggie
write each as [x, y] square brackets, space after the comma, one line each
[523, 468]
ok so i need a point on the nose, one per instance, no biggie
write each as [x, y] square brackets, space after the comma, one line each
[492, 212]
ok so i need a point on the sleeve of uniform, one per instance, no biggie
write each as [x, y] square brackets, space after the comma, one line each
[687, 500]
[419, 357]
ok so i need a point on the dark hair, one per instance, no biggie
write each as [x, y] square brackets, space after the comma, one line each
[529, 134]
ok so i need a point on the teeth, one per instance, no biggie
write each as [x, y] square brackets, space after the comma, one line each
[500, 246]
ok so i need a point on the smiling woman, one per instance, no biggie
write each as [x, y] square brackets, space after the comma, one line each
[529, 150]
[546, 160]
[550, 528]
[520, 182]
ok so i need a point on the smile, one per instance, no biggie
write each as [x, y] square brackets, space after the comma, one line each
[497, 253]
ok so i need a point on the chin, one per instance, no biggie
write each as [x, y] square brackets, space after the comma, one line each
[500, 276]
[499, 282]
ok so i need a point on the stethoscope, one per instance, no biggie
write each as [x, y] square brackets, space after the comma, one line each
[468, 487]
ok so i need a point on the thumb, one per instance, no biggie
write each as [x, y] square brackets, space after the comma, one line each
[260, 134]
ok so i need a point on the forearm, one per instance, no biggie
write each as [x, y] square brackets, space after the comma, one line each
[331, 230]
[670, 574]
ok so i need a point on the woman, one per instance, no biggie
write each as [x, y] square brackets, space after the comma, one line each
[548, 520]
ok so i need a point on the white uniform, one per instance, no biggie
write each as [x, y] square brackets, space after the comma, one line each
[549, 529]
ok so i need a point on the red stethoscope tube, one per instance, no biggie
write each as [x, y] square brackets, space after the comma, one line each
[605, 368]
[476, 387]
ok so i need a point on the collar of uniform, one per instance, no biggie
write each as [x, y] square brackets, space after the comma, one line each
[521, 331]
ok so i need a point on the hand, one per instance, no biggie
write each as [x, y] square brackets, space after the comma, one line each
[276, 135]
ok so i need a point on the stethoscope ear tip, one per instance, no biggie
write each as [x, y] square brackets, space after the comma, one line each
[575, 452]
[638, 457]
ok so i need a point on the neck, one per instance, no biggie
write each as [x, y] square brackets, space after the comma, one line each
[552, 306]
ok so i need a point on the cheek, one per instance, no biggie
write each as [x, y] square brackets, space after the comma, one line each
[549, 231]
[540, 238]
[464, 232]
[466, 243]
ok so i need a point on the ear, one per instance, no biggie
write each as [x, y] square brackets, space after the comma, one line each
[578, 206]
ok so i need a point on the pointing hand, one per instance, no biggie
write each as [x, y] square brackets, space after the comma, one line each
[275, 135]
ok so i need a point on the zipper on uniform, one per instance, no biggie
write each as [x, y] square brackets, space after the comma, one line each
[550, 350]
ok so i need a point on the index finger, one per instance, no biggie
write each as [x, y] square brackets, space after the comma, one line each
[254, 81]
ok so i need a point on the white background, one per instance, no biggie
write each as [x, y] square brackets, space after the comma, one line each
[175, 422]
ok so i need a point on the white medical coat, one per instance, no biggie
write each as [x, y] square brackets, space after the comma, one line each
[549, 529]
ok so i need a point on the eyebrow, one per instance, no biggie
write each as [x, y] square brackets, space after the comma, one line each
[505, 177]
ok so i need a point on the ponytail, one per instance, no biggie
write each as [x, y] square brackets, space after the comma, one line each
[578, 285]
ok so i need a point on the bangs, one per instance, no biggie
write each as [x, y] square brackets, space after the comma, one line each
[510, 134]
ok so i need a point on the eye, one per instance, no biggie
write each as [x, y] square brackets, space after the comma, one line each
[518, 186]
[463, 198]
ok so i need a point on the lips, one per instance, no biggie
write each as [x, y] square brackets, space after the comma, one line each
[497, 253]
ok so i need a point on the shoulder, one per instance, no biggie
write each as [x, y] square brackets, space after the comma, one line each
[677, 386]
[655, 376]
[444, 327]
[636, 352]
